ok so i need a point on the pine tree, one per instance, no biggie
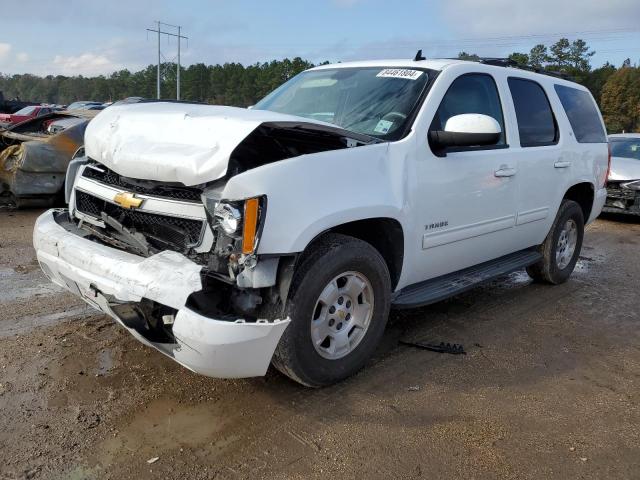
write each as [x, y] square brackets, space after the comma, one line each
[620, 101]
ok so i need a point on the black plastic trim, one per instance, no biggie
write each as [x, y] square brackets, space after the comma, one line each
[446, 286]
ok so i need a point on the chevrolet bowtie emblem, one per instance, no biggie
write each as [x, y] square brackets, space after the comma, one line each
[127, 200]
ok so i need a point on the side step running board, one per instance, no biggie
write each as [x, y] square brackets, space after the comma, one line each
[437, 289]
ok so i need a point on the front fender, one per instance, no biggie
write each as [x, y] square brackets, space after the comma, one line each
[312, 193]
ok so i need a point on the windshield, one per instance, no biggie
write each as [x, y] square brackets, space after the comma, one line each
[26, 111]
[371, 101]
[627, 148]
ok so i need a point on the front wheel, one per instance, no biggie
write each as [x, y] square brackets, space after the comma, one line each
[338, 304]
[561, 248]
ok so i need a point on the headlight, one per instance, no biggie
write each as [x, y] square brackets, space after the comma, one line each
[228, 217]
[240, 220]
[635, 185]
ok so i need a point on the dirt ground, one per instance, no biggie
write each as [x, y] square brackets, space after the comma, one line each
[549, 388]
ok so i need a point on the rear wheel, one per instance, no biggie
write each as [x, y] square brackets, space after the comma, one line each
[338, 305]
[561, 248]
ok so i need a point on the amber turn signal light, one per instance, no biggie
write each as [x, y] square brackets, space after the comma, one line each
[250, 225]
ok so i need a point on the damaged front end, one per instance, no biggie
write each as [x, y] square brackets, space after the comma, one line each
[147, 218]
[34, 156]
[152, 298]
[623, 197]
[178, 264]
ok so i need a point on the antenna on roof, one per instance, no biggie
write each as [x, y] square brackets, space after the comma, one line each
[419, 56]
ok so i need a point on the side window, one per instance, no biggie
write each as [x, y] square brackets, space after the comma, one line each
[536, 123]
[471, 93]
[582, 113]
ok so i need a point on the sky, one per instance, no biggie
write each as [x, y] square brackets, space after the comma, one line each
[87, 37]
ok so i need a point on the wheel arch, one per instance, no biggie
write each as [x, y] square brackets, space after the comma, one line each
[385, 234]
[583, 194]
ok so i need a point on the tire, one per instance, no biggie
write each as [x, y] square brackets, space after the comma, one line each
[335, 267]
[555, 268]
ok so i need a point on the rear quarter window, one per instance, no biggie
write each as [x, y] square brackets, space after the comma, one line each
[536, 124]
[582, 113]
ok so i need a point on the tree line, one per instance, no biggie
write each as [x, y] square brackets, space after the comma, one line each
[616, 89]
[228, 84]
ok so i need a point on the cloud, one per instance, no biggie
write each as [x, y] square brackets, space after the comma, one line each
[5, 49]
[22, 57]
[509, 17]
[84, 64]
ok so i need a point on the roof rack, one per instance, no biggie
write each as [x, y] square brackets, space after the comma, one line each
[508, 62]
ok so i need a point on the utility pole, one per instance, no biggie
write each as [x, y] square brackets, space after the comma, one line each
[178, 73]
[159, 31]
[158, 80]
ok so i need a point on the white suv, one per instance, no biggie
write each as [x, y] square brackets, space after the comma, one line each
[233, 238]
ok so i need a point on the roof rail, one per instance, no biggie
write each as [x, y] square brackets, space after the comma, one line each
[508, 62]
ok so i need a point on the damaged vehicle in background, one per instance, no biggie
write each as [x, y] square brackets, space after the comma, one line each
[85, 105]
[229, 239]
[34, 156]
[8, 119]
[623, 186]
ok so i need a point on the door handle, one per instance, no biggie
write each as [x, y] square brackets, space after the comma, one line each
[505, 171]
[562, 164]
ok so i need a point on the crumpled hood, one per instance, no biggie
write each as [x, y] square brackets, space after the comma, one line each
[173, 142]
[624, 169]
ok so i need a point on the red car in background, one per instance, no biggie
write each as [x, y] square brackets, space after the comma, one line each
[26, 113]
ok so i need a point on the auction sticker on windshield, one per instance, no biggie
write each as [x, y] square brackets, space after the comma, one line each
[383, 126]
[405, 73]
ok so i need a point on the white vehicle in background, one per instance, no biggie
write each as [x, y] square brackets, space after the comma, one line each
[623, 186]
[230, 239]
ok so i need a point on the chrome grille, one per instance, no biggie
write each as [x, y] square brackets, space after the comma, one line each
[161, 231]
[157, 189]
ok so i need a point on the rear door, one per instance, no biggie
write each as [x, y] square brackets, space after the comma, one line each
[540, 160]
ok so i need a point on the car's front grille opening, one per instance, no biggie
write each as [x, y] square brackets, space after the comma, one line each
[158, 189]
[160, 231]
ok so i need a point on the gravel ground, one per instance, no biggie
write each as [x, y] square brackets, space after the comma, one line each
[549, 387]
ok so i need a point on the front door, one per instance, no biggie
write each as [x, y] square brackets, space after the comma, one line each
[467, 195]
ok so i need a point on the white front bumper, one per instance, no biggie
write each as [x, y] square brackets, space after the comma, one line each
[215, 348]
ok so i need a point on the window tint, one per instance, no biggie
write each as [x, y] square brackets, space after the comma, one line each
[536, 123]
[470, 93]
[582, 113]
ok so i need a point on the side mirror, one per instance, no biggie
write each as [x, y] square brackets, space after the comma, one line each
[466, 130]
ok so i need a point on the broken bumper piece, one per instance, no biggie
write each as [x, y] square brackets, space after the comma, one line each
[622, 200]
[107, 278]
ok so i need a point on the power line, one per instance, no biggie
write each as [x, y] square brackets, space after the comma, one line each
[605, 35]
[159, 31]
